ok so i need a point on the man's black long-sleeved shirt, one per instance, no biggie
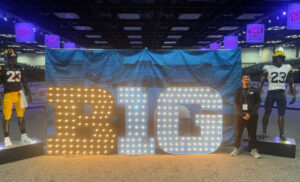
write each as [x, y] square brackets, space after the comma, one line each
[249, 96]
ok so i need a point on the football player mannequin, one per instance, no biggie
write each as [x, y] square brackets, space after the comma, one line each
[12, 75]
[277, 74]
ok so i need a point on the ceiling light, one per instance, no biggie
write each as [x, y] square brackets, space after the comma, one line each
[100, 42]
[180, 28]
[203, 42]
[82, 28]
[276, 28]
[292, 36]
[134, 36]
[249, 16]
[214, 36]
[8, 35]
[132, 28]
[169, 42]
[254, 46]
[13, 46]
[273, 41]
[135, 42]
[93, 36]
[129, 16]
[226, 28]
[67, 15]
[174, 36]
[189, 16]
[166, 47]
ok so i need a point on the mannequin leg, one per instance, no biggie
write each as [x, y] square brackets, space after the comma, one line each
[22, 126]
[281, 127]
[265, 121]
[5, 126]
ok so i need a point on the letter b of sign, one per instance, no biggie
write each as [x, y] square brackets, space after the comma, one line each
[78, 132]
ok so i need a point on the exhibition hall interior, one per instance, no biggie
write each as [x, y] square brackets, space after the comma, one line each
[150, 90]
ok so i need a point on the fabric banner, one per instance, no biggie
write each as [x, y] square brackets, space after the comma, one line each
[153, 70]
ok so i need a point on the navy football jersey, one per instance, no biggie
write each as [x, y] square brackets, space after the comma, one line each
[11, 78]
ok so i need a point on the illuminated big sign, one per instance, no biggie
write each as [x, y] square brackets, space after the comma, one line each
[79, 133]
[168, 120]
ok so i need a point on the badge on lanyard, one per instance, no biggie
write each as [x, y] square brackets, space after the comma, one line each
[245, 107]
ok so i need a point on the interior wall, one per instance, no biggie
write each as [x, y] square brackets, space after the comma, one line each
[290, 52]
[32, 59]
[250, 56]
[267, 54]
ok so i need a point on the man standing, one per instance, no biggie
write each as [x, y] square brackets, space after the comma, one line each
[11, 76]
[246, 103]
[277, 74]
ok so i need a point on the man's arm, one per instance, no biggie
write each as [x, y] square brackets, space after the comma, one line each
[236, 104]
[292, 86]
[263, 78]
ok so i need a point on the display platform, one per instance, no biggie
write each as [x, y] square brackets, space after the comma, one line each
[275, 146]
[20, 151]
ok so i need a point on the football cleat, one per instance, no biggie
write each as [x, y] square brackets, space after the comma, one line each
[26, 139]
[7, 142]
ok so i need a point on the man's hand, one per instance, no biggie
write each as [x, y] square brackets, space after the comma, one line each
[247, 116]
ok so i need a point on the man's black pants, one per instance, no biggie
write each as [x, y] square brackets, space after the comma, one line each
[251, 125]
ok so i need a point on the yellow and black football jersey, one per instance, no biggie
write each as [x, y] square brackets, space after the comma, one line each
[11, 78]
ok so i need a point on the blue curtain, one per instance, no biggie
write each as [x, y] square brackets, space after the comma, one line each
[153, 69]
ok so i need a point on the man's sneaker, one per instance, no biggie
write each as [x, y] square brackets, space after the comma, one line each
[282, 137]
[255, 154]
[236, 151]
[7, 142]
[26, 139]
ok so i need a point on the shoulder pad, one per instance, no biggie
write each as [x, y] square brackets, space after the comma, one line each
[266, 67]
[265, 70]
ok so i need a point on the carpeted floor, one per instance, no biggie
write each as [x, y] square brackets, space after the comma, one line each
[165, 168]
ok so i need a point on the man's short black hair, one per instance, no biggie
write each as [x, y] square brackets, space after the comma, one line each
[245, 74]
